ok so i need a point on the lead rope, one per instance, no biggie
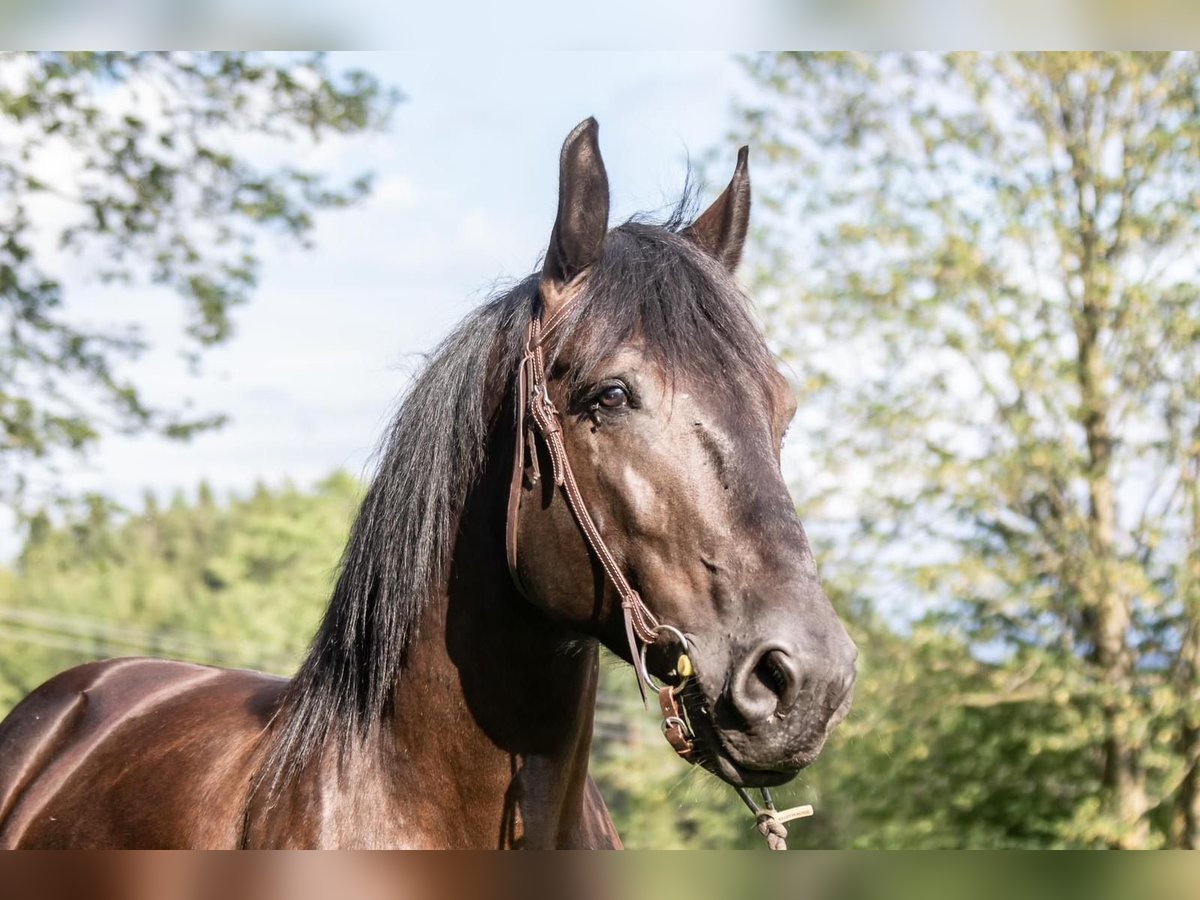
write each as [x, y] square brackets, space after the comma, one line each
[640, 623]
[771, 822]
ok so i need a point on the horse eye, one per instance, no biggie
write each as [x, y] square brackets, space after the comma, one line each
[613, 397]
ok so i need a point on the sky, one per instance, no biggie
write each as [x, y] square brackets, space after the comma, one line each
[466, 182]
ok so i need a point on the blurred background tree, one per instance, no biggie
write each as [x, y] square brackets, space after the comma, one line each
[236, 582]
[133, 150]
[982, 269]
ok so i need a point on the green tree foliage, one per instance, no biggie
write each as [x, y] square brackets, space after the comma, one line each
[239, 584]
[982, 269]
[941, 752]
[143, 160]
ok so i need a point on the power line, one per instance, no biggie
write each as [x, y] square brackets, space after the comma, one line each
[88, 643]
[167, 639]
[86, 636]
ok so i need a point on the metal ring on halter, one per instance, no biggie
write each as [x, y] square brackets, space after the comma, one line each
[675, 631]
[675, 720]
[645, 672]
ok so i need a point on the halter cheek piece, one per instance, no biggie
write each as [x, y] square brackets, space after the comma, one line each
[537, 417]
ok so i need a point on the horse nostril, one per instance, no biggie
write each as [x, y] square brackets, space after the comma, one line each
[769, 684]
[772, 671]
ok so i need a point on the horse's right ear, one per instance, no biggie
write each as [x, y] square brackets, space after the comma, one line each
[578, 236]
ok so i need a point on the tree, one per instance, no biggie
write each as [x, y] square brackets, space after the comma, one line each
[982, 269]
[151, 187]
[241, 582]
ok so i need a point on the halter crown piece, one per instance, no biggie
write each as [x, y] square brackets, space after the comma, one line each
[537, 417]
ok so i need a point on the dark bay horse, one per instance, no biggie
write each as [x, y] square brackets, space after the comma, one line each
[624, 489]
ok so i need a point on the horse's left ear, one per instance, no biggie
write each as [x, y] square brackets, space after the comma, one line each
[721, 229]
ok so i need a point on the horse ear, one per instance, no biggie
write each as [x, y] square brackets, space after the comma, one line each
[721, 229]
[578, 236]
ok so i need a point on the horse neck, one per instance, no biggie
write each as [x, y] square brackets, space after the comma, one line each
[496, 701]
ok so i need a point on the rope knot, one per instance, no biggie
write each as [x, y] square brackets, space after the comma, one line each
[772, 829]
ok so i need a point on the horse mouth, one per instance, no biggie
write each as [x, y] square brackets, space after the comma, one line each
[713, 753]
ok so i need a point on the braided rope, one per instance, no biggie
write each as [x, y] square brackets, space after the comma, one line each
[772, 829]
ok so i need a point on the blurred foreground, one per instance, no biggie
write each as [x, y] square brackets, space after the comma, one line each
[420, 875]
[533, 23]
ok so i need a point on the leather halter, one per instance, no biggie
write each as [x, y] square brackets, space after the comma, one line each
[535, 406]
[538, 417]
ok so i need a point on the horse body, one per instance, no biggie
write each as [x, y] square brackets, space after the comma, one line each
[80, 756]
[447, 699]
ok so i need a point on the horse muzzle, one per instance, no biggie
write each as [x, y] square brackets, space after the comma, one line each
[768, 717]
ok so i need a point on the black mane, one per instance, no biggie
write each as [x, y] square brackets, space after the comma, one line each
[651, 281]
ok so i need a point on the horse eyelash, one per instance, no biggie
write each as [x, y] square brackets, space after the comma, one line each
[592, 405]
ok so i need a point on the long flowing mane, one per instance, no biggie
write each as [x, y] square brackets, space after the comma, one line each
[652, 282]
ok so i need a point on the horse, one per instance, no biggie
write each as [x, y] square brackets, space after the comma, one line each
[591, 458]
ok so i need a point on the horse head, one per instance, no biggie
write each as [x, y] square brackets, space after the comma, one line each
[663, 402]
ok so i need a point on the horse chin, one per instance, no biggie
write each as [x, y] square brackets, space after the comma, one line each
[739, 776]
[714, 755]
